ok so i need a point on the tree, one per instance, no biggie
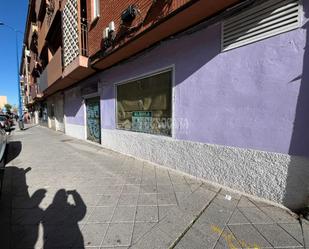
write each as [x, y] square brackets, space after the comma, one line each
[8, 107]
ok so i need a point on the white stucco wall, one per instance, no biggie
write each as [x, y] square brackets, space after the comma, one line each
[273, 176]
[73, 130]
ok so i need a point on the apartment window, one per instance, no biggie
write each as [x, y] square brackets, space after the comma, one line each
[95, 8]
[259, 22]
[145, 105]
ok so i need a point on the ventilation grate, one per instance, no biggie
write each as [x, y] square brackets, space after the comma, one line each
[259, 22]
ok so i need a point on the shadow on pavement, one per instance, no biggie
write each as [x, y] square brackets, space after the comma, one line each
[22, 216]
[13, 150]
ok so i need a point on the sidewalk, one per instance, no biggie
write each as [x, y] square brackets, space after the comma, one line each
[60, 192]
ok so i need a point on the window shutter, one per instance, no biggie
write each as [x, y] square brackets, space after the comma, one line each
[259, 22]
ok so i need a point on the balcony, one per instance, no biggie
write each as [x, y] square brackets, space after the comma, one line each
[42, 34]
[33, 29]
[38, 4]
[52, 8]
[32, 64]
[52, 72]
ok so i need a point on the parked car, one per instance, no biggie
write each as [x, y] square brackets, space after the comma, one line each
[10, 118]
[3, 142]
[5, 123]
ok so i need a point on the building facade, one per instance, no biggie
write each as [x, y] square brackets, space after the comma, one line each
[3, 101]
[215, 90]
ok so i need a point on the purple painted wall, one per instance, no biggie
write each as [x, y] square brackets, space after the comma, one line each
[73, 107]
[246, 97]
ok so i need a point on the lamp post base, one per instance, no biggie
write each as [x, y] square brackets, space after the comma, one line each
[21, 124]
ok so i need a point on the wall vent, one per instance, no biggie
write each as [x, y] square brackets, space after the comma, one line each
[259, 22]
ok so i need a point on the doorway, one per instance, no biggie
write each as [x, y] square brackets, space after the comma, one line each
[93, 119]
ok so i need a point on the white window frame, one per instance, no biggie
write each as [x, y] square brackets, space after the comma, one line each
[170, 68]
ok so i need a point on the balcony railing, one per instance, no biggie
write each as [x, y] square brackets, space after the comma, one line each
[84, 39]
[51, 11]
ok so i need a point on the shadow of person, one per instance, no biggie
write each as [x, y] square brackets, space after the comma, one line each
[26, 221]
[13, 150]
[60, 221]
[20, 213]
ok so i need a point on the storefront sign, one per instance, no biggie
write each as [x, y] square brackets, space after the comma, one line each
[141, 121]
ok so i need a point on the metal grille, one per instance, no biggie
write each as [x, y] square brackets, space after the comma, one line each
[268, 19]
[70, 32]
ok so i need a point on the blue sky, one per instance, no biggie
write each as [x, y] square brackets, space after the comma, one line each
[13, 13]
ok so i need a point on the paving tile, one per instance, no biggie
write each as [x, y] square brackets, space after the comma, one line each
[248, 235]
[146, 180]
[147, 214]
[112, 189]
[194, 186]
[177, 178]
[133, 180]
[227, 240]
[238, 218]
[245, 202]
[166, 199]
[124, 214]
[224, 201]
[215, 214]
[131, 189]
[155, 239]
[165, 188]
[152, 188]
[255, 215]
[118, 235]
[109, 200]
[140, 229]
[212, 187]
[165, 210]
[101, 214]
[91, 200]
[196, 202]
[279, 215]
[196, 239]
[183, 188]
[295, 230]
[128, 199]
[234, 195]
[175, 223]
[93, 234]
[276, 236]
[147, 199]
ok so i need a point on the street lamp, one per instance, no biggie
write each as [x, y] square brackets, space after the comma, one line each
[20, 112]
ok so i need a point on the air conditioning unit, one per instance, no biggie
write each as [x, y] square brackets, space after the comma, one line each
[129, 14]
[27, 52]
[111, 26]
[106, 33]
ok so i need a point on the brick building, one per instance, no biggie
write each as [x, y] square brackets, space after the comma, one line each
[215, 89]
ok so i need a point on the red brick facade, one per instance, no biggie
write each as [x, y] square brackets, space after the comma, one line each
[150, 12]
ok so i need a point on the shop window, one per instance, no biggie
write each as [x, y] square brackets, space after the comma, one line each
[145, 105]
